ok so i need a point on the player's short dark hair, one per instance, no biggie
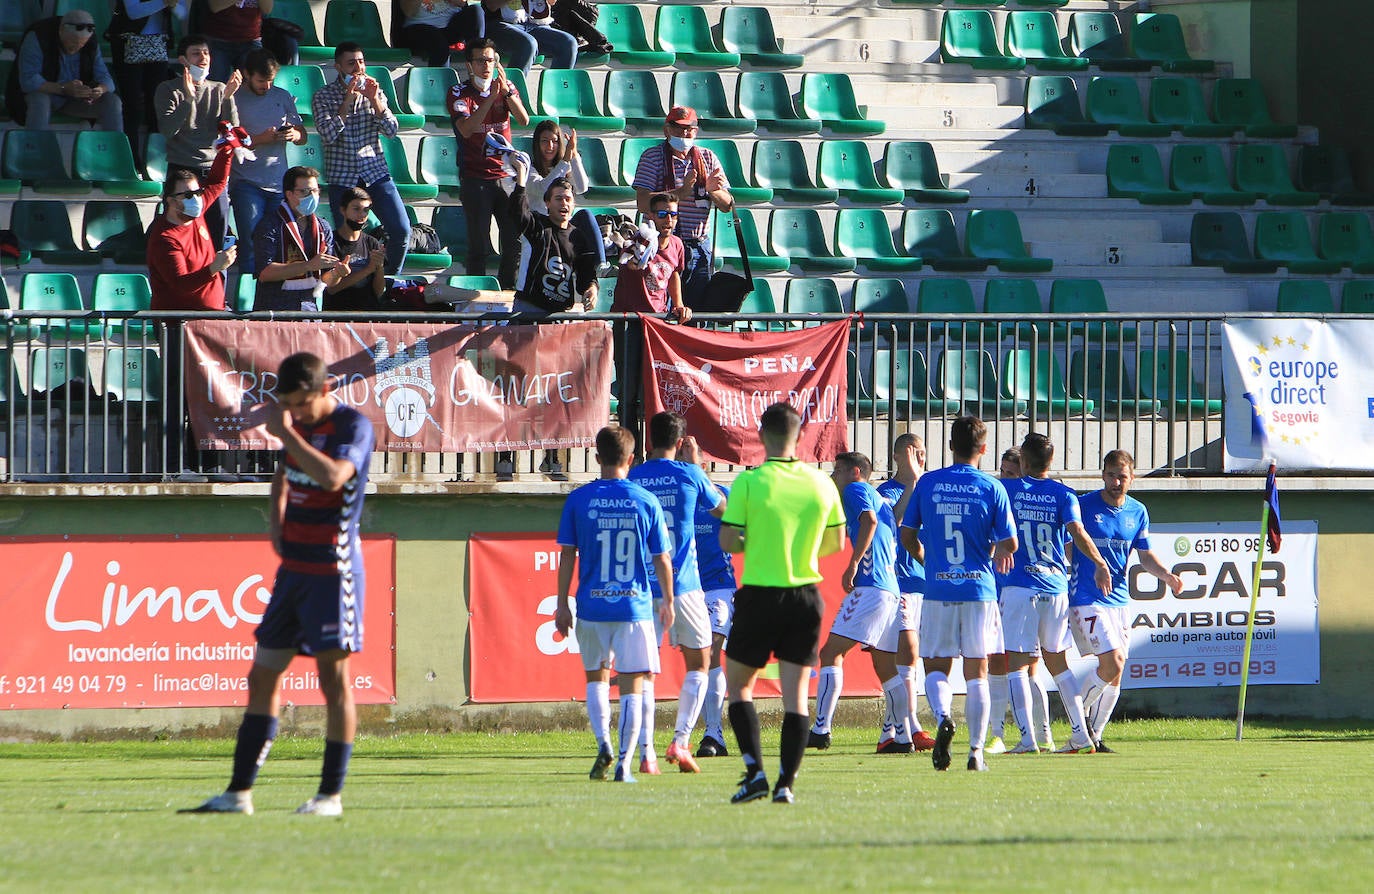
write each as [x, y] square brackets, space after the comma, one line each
[192, 40]
[559, 183]
[1013, 454]
[614, 445]
[478, 46]
[260, 62]
[348, 46]
[1037, 450]
[299, 172]
[855, 460]
[665, 430]
[905, 440]
[1118, 457]
[779, 423]
[301, 372]
[662, 198]
[967, 435]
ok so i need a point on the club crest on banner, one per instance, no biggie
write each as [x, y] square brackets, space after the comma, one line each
[679, 384]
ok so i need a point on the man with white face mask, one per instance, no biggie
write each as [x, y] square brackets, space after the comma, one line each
[694, 177]
[294, 247]
[189, 109]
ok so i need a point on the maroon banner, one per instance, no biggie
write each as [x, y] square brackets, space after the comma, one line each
[425, 387]
[721, 382]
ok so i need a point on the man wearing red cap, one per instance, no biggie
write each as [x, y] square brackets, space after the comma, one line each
[694, 176]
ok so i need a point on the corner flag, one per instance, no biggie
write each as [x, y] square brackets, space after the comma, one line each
[1273, 535]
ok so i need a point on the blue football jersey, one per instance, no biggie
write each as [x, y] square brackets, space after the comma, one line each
[1042, 509]
[878, 566]
[960, 513]
[911, 575]
[1116, 532]
[617, 527]
[680, 488]
[715, 565]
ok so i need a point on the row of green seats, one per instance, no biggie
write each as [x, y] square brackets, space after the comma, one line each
[1283, 239]
[1198, 171]
[101, 160]
[969, 36]
[109, 230]
[128, 373]
[1313, 296]
[1175, 104]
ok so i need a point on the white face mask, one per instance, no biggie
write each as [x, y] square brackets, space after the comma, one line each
[482, 84]
[198, 73]
[680, 144]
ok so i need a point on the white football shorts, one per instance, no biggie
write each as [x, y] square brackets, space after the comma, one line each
[865, 615]
[954, 629]
[628, 646]
[691, 622]
[720, 607]
[1098, 629]
[1032, 619]
[907, 617]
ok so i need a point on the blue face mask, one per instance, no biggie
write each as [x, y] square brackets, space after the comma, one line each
[680, 144]
[191, 206]
[309, 205]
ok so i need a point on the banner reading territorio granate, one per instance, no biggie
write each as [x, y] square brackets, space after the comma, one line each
[425, 387]
[721, 382]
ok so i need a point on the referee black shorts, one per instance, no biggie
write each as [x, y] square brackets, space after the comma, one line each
[780, 621]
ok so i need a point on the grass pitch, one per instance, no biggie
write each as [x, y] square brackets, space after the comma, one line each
[1181, 807]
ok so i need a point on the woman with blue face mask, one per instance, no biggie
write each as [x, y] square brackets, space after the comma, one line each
[293, 247]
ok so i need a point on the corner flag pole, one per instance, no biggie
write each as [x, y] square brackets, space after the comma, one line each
[1266, 531]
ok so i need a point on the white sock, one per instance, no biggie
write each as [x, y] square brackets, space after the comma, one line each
[1092, 688]
[599, 713]
[976, 706]
[1040, 709]
[997, 708]
[1102, 711]
[646, 723]
[689, 702]
[828, 688]
[1018, 688]
[715, 703]
[938, 695]
[894, 693]
[908, 674]
[631, 710]
[1073, 706]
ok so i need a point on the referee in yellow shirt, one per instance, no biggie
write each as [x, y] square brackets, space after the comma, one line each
[783, 516]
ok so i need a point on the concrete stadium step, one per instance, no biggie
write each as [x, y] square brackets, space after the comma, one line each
[931, 117]
[1116, 253]
[855, 24]
[1008, 161]
[1089, 227]
[1061, 186]
[973, 94]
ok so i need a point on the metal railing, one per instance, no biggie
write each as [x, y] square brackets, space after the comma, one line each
[97, 397]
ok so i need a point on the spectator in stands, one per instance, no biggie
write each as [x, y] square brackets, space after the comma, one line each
[694, 176]
[189, 109]
[140, 37]
[578, 18]
[555, 157]
[352, 116]
[234, 28]
[294, 247]
[363, 282]
[429, 28]
[269, 115]
[520, 39]
[485, 104]
[60, 70]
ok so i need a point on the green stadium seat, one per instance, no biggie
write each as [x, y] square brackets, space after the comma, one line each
[633, 95]
[1097, 37]
[602, 185]
[302, 82]
[1115, 101]
[765, 97]
[1034, 36]
[155, 157]
[930, 234]
[1085, 297]
[830, 97]
[298, 12]
[405, 119]
[624, 28]
[360, 22]
[968, 36]
[1241, 103]
[103, 158]
[1346, 237]
[896, 383]
[1051, 103]
[439, 163]
[1167, 377]
[759, 301]
[133, 374]
[45, 231]
[780, 165]
[811, 295]
[727, 153]
[1198, 169]
[881, 295]
[122, 293]
[1263, 168]
[1134, 172]
[1034, 376]
[796, 233]
[427, 92]
[948, 295]
[1013, 298]
[58, 367]
[1219, 240]
[1043, 4]
[996, 235]
[866, 235]
[630, 151]
[54, 292]
[245, 293]
[398, 163]
[846, 166]
[34, 157]
[911, 166]
[310, 154]
[748, 31]
[727, 248]
[684, 31]
[116, 231]
[1099, 376]
[1284, 236]
[568, 94]
[1357, 297]
[1158, 37]
[1305, 296]
[1178, 103]
[968, 377]
[1325, 169]
[703, 91]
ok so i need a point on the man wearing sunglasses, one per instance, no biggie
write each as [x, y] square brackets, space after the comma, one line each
[60, 70]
